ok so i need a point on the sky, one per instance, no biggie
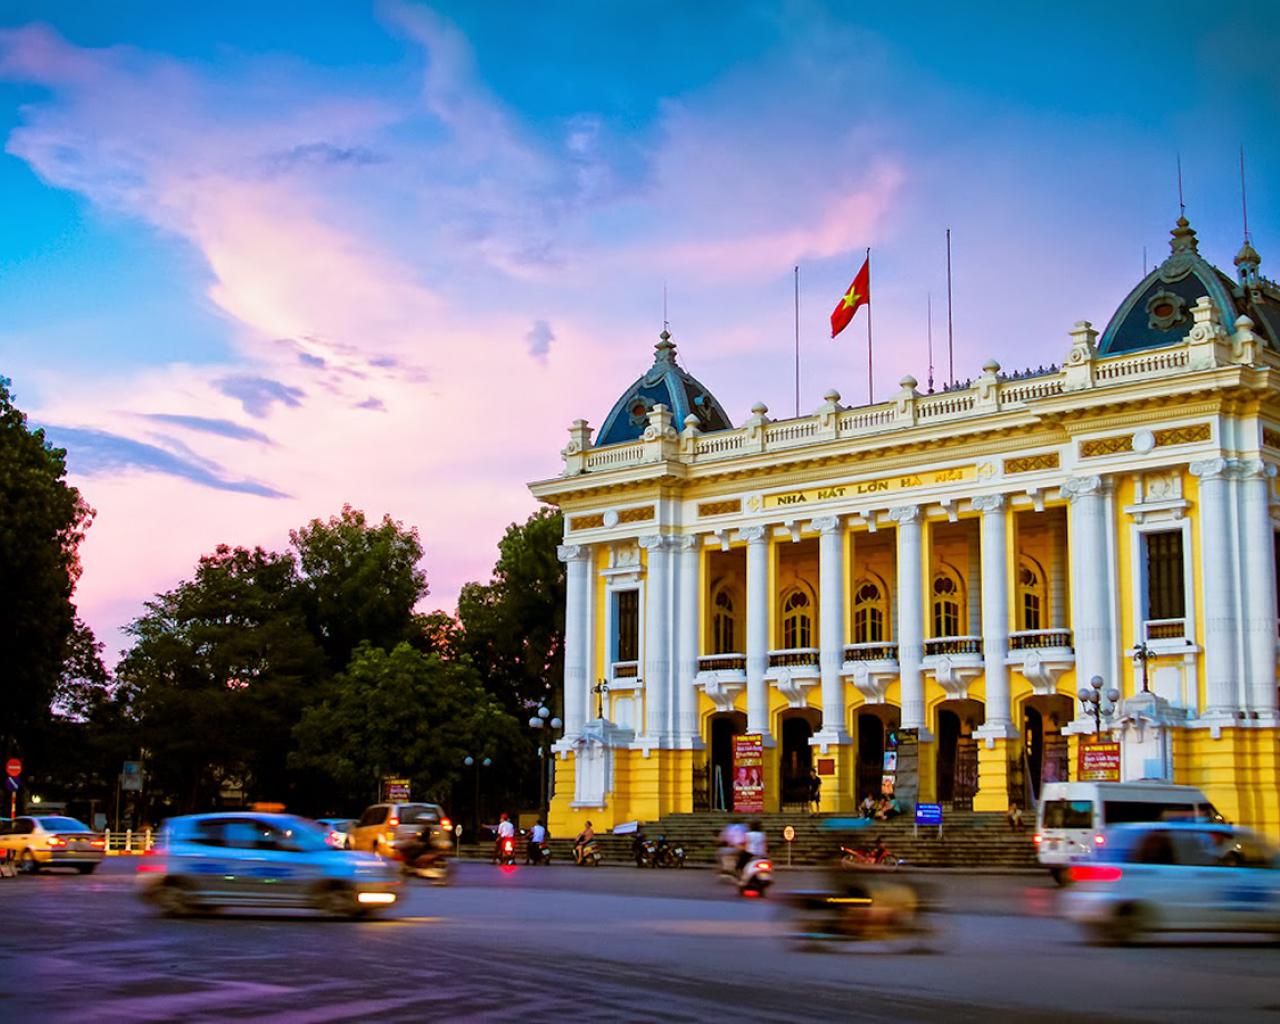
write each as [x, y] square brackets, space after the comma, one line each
[260, 261]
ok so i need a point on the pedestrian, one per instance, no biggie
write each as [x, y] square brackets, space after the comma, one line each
[815, 791]
[868, 806]
[1015, 817]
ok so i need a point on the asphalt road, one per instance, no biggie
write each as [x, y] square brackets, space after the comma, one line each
[596, 944]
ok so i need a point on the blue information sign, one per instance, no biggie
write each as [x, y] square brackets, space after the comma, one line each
[928, 814]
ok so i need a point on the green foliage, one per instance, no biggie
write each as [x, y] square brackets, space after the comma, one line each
[401, 713]
[42, 522]
[360, 582]
[219, 674]
[514, 626]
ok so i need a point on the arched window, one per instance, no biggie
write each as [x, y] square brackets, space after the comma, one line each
[947, 596]
[724, 622]
[797, 619]
[1033, 608]
[869, 612]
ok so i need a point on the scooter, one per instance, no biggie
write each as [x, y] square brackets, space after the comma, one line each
[669, 856]
[756, 877]
[644, 850]
[507, 851]
[538, 853]
[587, 855]
[727, 860]
[420, 859]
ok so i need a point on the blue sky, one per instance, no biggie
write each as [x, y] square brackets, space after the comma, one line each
[259, 263]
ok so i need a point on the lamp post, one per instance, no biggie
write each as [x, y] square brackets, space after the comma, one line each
[543, 724]
[472, 762]
[1141, 655]
[1095, 702]
[600, 689]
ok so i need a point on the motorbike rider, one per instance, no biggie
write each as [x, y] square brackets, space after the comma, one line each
[537, 839]
[732, 838]
[506, 830]
[755, 845]
[586, 838]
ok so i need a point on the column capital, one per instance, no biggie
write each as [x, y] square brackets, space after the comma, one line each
[988, 503]
[571, 552]
[826, 524]
[685, 542]
[904, 514]
[754, 534]
[1211, 469]
[1077, 487]
[655, 541]
[1252, 469]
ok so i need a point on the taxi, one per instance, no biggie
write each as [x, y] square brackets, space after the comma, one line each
[36, 842]
[206, 861]
[1176, 877]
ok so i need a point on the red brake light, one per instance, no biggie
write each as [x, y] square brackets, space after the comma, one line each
[1037, 839]
[1094, 873]
[508, 845]
[446, 823]
[100, 843]
[147, 866]
[1099, 839]
[393, 821]
[57, 841]
[765, 866]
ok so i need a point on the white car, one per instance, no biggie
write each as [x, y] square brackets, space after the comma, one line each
[205, 861]
[1176, 877]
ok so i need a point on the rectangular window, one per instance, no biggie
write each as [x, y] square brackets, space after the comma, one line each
[627, 611]
[1165, 596]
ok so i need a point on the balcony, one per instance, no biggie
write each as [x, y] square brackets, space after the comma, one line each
[793, 672]
[871, 652]
[955, 662]
[1041, 655]
[1165, 629]
[871, 668]
[722, 678]
[953, 645]
[1040, 639]
[723, 663]
[625, 675]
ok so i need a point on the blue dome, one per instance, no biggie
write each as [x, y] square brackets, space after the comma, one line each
[1158, 311]
[664, 384]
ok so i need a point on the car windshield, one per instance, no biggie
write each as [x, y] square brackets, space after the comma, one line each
[419, 813]
[63, 825]
[1068, 814]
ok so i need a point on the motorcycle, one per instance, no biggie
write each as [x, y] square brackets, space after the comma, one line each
[863, 904]
[667, 855]
[538, 853]
[727, 861]
[756, 877]
[420, 858]
[872, 857]
[507, 851]
[587, 854]
[644, 850]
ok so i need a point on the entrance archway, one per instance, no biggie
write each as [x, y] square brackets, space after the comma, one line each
[1044, 748]
[958, 752]
[872, 725]
[724, 727]
[796, 756]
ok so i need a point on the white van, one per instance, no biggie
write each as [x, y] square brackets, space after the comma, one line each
[1073, 816]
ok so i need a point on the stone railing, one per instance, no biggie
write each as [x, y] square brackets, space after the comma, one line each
[871, 652]
[1164, 629]
[722, 663]
[793, 656]
[990, 392]
[1039, 639]
[625, 669]
[953, 645]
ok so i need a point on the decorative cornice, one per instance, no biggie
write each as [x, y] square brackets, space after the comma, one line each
[1031, 463]
[636, 515]
[719, 508]
[1098, 446]
[589, 522]
[1183, 435]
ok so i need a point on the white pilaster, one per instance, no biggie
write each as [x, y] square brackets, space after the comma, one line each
[688, 574]
[831, 624]
[1091, 591]
[995, 614]
[1222, 696]
[910, 614]
[757, 539]
[577, 639]
[1259, 588]
[657, 637]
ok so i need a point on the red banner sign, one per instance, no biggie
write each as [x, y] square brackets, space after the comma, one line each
[748, 774]
[1099, 762]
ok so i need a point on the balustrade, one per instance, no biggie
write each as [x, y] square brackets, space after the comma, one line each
[722, 663]
[807, 656]
[871, 652]
[953, 645]
[1038, 639]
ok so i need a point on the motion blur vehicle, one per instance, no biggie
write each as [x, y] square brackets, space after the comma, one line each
[384, 828]
[338, 831]
[755, 877]
[1176, 876]
[205, 861]
[1073, 817]
[49, 841]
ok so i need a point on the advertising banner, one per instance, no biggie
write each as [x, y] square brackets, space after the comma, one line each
[1099, 762]
[395, 791]
[748, 774]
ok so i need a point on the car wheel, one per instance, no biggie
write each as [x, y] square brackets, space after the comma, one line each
[174, 898]
[27, 863]
[1060, 875]
[337, 901]
[1128, 924]
[86, 869]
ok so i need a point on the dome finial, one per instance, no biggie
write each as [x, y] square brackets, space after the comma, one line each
[1184, 237]
[665, 350]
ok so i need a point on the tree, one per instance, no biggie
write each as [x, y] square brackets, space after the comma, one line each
[361, 582]
[42, 522]
[401, 713]
[513, 626]
[219, 674]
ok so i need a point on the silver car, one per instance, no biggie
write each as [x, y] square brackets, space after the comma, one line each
[204, 861]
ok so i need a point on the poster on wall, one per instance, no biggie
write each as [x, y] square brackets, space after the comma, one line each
[1099, 762]
[748, 774]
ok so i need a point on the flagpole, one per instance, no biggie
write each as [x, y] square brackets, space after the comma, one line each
[797, 272]
[870, 397]
[929, 301]
[951, 354]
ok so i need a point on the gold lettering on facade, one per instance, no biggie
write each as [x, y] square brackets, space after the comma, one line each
[1183, 435]
[884, 485]
[1031, 463]
[1106, 446]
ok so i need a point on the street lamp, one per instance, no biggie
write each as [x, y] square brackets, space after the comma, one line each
[539, 722]
[600, 689]
[1100, 705]
[471, 762]
[1141, 655]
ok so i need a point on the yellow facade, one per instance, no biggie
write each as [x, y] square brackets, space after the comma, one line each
[951, 568]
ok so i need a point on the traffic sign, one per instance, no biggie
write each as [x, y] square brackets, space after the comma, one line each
[12, 784]
[789, 833]
[13, 767]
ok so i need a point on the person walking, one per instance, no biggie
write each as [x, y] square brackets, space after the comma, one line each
[815, 791]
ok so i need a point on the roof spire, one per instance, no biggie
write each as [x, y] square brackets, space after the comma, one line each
[665, 350]
[1184, 237]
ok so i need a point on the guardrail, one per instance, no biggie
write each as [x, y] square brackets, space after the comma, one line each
[128, 842]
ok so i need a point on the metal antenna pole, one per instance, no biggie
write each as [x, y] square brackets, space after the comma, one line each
[951, 354]
[1182, 207]
[797, 318]
[930, 335]
[1244, 203]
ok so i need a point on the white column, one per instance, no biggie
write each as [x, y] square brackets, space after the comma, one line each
[577, 640]
[757, 538]
[1091, 590]
[657, 636]
[1259, 587]
[995, 613]
[1222, 695]
[910, 614]
[688, 573]
[831, 625]
[1058, 577]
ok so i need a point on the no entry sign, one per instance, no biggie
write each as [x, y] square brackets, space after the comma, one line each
[13, 767]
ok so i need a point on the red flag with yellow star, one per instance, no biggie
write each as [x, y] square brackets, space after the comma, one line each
[858, 295]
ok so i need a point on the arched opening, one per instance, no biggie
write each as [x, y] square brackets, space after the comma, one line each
[725, 632]
[1044, 747]
[948, 602]
[1033, 602]
[724, 727]
[958, 752]
[797, 619]
[796, 756]
[870, 611]
[873, 726]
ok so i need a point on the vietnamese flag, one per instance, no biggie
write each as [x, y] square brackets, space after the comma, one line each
[858, 295]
